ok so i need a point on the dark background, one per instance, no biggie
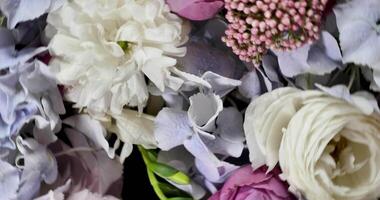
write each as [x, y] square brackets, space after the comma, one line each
[136, 183]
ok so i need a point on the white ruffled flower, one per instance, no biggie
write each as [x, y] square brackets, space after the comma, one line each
[327, 147]
[102, 49]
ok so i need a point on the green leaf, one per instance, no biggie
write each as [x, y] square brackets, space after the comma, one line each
[162, 170]
[180, 198]
[1, 20]
[180, 178]
[152, 155]
[170, 190]
[170, 173]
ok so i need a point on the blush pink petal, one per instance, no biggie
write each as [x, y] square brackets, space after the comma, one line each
[246, 184]
[196, 9]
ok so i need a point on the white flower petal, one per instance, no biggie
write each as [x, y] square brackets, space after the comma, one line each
[135, 128]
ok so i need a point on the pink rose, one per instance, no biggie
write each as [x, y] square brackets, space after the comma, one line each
[246, 184]
[196, 9]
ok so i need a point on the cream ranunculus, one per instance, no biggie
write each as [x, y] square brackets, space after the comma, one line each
[102, 49]
[327, 147]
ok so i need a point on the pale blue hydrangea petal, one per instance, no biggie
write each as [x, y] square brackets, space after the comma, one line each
[9, 180]
[207, 52]
[29, 93]
[212, 31]
[171, 128]
[359, 32]
[9, 56]
[222, 146]
[18, 11]
[230, 125]
[319, 58]
[361, 99]
[202, 57]
[39, 165]
[215, 172]
[270, 67]
[220, 85]
[250, 85]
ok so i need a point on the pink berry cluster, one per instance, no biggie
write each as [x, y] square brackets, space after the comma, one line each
[258, 25]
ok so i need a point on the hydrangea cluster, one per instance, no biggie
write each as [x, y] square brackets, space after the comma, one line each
[88, 85]
[258, 25]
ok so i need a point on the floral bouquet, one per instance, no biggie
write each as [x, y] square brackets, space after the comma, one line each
[221, 99]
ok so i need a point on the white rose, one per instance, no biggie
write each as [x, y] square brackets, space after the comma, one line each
[327, 147]
[102, 50]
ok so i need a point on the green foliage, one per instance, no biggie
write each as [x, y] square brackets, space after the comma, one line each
[169, 173]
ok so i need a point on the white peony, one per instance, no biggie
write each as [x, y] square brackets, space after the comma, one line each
[327, 147]
[102, 49]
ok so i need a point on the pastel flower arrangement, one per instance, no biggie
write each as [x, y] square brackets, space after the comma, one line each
[222, 99]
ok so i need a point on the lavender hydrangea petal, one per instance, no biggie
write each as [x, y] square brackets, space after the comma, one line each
[18, 11]
[319, 58]
[359, 31]
[220, 85]
[250, 85]
[9, 180]
[39, 165]
[171, 128]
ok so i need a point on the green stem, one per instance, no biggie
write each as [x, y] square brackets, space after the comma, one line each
[152, 178]
[309, 81]
[352, 78]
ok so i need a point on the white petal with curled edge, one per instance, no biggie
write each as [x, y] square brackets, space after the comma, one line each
[9, 180]
[171, 128]
[203, 111]
[156, 69]
[93, 129]
[190, 79]
[135, 128]
[257, 131]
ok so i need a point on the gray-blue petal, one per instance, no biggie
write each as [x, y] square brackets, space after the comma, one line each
[171, 128]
